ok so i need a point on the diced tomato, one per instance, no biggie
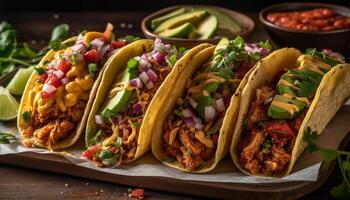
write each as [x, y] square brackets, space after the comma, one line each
[43, 78]
[46, 95]
[64, 66]
[118, 44]
[279, 129]
[138, 193]
[91, 56]
[54, 81]
[90, 153]
[243, 68]
[113, 149]
[108, 32]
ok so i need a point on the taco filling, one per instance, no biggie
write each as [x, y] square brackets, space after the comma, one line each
[120, 119]
[57, 100]
[191, 132]
[278, 111]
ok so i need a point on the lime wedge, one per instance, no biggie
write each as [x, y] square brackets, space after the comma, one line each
[19, 81]
[8, 105]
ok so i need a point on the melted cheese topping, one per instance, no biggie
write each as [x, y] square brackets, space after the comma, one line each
[286, 106]
[286, 83]
[310, 63]
[199, 135]
[303, 99]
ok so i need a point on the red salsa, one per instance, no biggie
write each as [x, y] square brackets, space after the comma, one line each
[319, 19]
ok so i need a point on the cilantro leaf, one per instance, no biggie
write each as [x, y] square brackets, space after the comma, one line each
[130, 38]
[6, 138]
[56, 44]
[26, 116]
[172, 59]
[132, 63]
[60, 32]
[92, 68]
[341, 191]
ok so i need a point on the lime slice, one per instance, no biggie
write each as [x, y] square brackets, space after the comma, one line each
[8, 105]
[19, 81]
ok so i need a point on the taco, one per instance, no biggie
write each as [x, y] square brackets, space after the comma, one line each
[59, 94]
[118, 124]
[287, 93]
[193, 132]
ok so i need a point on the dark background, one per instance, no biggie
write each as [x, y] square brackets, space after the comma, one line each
[137, 5]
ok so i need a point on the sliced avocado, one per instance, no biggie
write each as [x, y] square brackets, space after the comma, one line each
[194, 34]
[156, 21]
[208, 27]
[227, 23]
[119, 101]
[178, 32]
[279, 113]
[191, 17]
[223, 43]
[283, 89]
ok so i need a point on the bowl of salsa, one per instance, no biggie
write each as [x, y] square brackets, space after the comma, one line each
[305, 25]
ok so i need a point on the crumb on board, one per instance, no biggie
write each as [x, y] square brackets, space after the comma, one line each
[66, 185]
[87, 183]
[96, 193]
[101, 191]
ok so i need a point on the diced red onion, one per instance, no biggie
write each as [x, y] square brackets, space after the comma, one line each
[158, 41]
[209, 113]
[80, 38]
[144, 57]
[144, 77]
[149, 85]
[144, 65]
[50, 71]
[97, 43]
[103, 50]
[193, 103]
[52, 64]
[188, 121]
[188, 113]
[159, 57]
[265, 51]
[197, 120]
[64, 80]
[98, 119]
[137, 108]
[49, 88]
[220, 106]
[80, 48]
[136, 82]
[110, 53]
[167, 46]
[198, 126]
[58, 73]
[152, 75]
[116, 119]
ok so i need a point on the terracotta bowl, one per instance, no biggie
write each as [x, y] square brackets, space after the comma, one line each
[246, 23]
[338, 40]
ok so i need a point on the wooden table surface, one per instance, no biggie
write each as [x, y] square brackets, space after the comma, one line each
[23, 183]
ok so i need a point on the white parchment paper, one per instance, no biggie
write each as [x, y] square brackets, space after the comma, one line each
[306, 168]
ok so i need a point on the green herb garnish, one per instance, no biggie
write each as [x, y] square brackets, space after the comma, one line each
[26, 116]
[39, 70]
[130, 38]
[92, 68]
[342, 191]
[132, 63]
[118, 142]
[6, 138]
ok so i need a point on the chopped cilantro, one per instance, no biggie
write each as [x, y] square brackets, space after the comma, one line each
[118, 142]
[130, 38]
[40, 70]
[132, 63]
[26, 116]
[172, 59]
[92, 68]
